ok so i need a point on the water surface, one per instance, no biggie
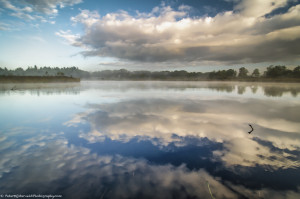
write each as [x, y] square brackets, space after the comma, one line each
[150, 139]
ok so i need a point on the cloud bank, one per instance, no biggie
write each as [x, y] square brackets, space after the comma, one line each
[244, 35]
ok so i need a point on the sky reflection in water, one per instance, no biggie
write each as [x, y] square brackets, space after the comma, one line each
[151, 140]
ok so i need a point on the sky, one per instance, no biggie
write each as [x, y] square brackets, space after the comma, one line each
[192, 35]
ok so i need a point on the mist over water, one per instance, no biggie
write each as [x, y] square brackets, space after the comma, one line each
[132, 139]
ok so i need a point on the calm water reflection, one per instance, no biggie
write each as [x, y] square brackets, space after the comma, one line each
[150, 140]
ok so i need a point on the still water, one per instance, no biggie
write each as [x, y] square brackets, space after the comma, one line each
[106, 139]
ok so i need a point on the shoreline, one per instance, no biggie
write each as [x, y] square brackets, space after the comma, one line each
[62, 79]
[260, 80]
[37, 79]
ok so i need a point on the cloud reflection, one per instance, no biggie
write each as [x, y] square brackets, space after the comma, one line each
[40, 88]
[221, 121]
[75, 172]
[156, 142]
[56, 167]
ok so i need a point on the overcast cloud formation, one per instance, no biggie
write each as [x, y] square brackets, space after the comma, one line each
[251, 33]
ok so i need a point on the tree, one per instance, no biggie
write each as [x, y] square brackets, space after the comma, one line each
[60, 74]
[296, 71]
[231, 73]
[19, 71]
[179, 74]
[223, 74]
[277, 71]
[255, 73]
[243, 72]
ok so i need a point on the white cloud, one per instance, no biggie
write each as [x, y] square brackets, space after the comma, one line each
[86, 17]
[258, 8]
[33, 9]
[68, 36]
[4, 26]
[50, 6]
[240, 36]
[22, 15]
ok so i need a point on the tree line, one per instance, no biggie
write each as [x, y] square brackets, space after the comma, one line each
[45, 71]
[123, 74]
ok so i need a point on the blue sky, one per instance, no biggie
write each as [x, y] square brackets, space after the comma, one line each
[194, 35]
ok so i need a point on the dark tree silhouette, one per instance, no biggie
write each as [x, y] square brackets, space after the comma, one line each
[243, 72]
[255, 73]
[277, 71]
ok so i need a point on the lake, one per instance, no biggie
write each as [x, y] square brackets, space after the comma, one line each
[127, 139]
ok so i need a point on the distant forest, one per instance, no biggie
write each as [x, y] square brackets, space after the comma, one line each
[277, 72]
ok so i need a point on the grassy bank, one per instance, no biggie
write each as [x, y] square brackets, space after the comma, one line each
[37, 79]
